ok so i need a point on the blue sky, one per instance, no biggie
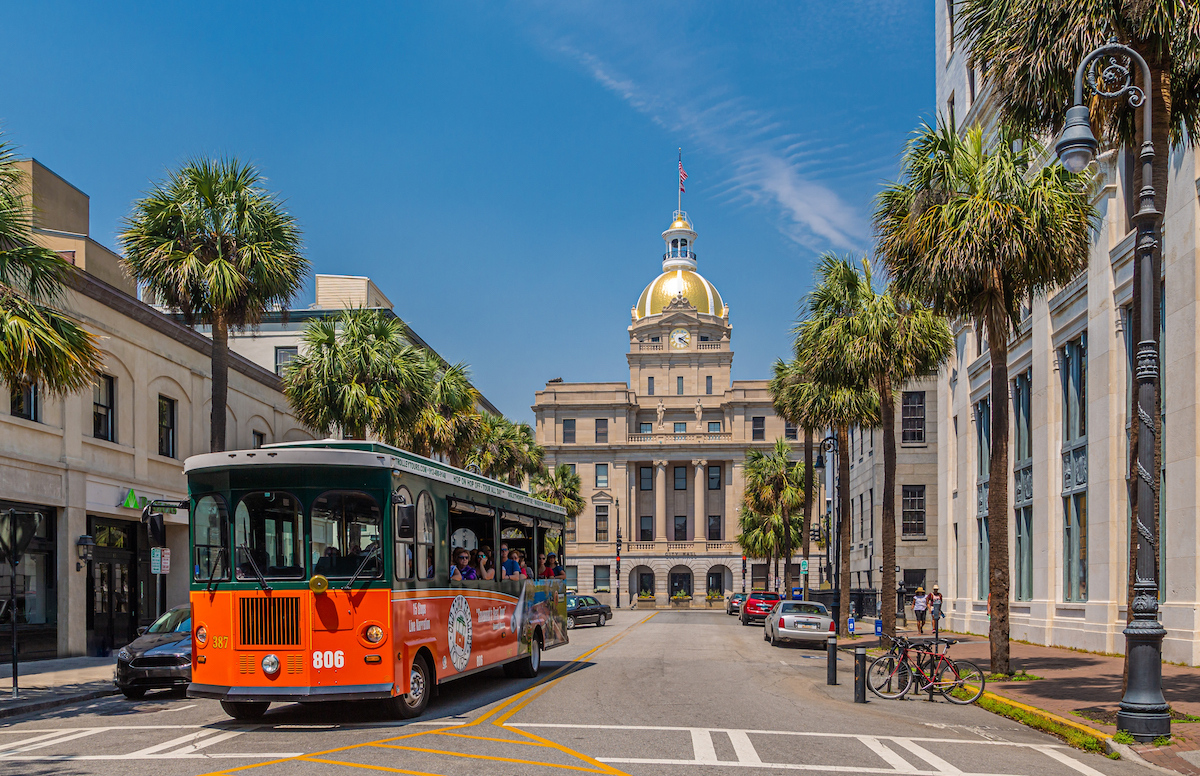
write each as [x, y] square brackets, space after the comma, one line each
[501, 170]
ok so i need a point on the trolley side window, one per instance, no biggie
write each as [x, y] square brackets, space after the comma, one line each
[346, 528]
[426, 532]
[473, 534]
[269, 535]
[516, 533]
[404, 518]
[209, 526]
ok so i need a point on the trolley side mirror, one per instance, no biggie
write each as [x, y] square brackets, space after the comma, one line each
[406, 520]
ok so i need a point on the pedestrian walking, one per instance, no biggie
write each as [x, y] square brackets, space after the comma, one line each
[935, 609]
[920, 606]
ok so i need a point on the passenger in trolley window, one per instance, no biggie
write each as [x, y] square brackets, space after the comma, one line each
[552, 570]
[461, 571]
[512, 567]
[483, 564]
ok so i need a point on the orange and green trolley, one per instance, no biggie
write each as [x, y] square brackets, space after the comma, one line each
[321, 572]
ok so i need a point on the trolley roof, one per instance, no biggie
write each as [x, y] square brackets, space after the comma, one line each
[335, 452]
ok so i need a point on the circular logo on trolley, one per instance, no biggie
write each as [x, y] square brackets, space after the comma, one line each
[458, 632]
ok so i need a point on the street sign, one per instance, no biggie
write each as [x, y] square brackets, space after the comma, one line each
[804, 566]
[156, 560]
[879, 627]
[166, 561]
[850, 625]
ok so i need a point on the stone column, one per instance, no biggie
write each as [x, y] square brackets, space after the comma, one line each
[660, 499]
[701, 519]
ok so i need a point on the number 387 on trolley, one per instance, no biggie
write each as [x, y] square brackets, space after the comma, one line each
[354, 571]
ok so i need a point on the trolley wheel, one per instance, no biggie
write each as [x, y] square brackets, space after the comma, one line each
[528, 667]
[245, 710]
[133, 693]
[964, 684]
[412, 704]
[570, 622]
[600, 621]
[889, 677]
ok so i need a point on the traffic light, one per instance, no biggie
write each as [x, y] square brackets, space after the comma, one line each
[743, 564]
[156, 528]
[815, 535]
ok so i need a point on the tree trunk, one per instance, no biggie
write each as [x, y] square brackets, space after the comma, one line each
[887, 579]
[787, 556]
[808, 498]
[220, 384]
[843, 487]
[998, 575]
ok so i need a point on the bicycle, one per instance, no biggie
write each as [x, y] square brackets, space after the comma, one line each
[891, 675]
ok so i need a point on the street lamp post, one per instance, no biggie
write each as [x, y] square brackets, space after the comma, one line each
[1144, 712]
[832, 565]
[618, 599]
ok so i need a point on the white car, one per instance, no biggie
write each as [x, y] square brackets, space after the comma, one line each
[804, 622]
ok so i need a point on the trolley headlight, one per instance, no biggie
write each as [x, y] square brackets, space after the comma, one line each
[270, 664]
[373, 634]
[202, 635]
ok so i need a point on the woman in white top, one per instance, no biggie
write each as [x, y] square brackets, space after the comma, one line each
[920, 605]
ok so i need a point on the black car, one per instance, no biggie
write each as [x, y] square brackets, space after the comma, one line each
[160, 658]
[734, 604]
[582, 609]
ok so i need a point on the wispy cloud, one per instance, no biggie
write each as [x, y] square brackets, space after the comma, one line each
[765, 162]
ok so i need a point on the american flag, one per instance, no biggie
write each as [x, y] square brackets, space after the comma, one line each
[682, 177]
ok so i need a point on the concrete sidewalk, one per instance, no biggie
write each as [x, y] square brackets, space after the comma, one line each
[1087, 687]
[44, 684]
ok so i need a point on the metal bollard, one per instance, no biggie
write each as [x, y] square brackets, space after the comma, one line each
[831, 653]
[860, 674]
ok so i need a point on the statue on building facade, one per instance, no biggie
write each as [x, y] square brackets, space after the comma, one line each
[661, 411]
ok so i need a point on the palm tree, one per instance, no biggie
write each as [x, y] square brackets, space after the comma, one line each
[358, 374]
[504, 450]
[812, 404]
[973, 231]
[756, 536]
[448, 422]
[885, 339]
[774, 486]
[562, 487]
[39, 344]
[213, 244]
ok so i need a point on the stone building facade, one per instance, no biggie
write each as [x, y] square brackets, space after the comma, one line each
[916, 496]
[88, 461]
[1070, 396]
[661, 455]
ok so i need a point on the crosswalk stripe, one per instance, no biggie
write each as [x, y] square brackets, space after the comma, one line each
[928, 756]
[175, 743]
[742, 747]
[42, 737]
[702, 745]
[890, 757]
[192, 748]
[1070, 761]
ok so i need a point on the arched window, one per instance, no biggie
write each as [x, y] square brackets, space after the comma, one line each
[674, 243]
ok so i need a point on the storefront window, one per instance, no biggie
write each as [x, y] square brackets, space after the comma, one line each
[36, 590]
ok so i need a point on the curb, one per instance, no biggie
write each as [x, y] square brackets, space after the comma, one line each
[66, 700]
[1100, 736]
[1127, 753]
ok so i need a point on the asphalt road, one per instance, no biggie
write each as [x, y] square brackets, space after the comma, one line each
[669, 693]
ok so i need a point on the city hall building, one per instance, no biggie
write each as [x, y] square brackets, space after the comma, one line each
[661, 455]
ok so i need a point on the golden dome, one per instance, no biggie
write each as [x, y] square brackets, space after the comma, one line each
[702, 294]
[680, 223]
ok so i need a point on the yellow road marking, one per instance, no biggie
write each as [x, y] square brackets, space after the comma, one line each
[520, 701]
[486, 757]
[369, 767]
[488, 738]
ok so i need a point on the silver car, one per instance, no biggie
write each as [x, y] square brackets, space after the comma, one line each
[805, 622]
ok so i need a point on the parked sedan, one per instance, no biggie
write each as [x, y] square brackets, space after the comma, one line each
[805, 622]
[734, 604]
[160, 658]
[583, 609]
[757, 606]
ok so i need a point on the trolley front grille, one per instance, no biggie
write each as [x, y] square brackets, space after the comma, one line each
[268, 622]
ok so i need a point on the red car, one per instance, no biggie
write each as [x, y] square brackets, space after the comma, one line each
[758, 605]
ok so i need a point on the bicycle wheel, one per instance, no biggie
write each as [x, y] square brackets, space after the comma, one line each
[889, 677]
[963, 682]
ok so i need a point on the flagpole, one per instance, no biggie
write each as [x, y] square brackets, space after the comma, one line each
[679, 194]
